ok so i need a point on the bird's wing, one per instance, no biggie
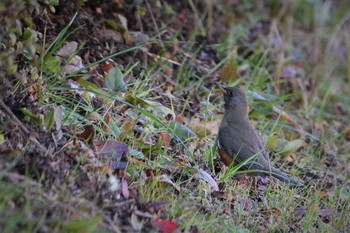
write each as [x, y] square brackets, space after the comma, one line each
[244, 145]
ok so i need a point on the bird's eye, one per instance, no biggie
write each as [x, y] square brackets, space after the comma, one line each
[230, 93]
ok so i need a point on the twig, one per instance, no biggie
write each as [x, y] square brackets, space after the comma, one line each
[13, 117]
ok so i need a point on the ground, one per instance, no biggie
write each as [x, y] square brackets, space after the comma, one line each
[110, 123]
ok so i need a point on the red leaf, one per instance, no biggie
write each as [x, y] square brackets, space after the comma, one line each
[179, 118]
[166, 138]
[165, 226]
[106, 67]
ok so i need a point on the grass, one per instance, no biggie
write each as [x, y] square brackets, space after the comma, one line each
[66, 193]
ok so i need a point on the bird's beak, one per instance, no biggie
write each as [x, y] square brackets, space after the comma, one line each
[221, 87]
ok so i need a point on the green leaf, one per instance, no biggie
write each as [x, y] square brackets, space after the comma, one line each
[158, 108]
[181, 130]
[35, 119]
[49, 120]
[82, 225]
[52, 63]
[292, 146]
[137, 154]
[114, 80]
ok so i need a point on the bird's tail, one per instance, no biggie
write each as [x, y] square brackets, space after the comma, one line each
[284, 178]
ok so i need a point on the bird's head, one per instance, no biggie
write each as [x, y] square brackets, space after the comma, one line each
[235, 100]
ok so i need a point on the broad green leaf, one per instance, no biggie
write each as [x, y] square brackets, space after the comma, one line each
[137, 154]
[292, 146]
[114, 80]
[52, 63]
[181, 130]
[82, 225]
[158, 108]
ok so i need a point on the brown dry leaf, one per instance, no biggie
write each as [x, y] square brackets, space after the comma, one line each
[242, 181]
[33, 91]
[107, 119]
[229, 71]
[68, 49]
[179, 118]
[139, 37]
[120, 27]
[88, 133]
[75, 64]
[205, 128]
[128, 124]
[347, 134]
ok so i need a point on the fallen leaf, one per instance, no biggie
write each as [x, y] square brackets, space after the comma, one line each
[120, 27]
[74, 64]
[291, 146]
[229, 70]
[58, 117]
[114, 150]
[205, 128]
[138, 37]
[106, 67]
[203, 175]
[181, 130]
[52, 63]
[137, 154]
[68, 49]
[114, 80]
[88, 133]
[165, 226]
[165, 138]
[166, 179]
[82, 225]
[136, 224]
[125, 190]
[179, 118]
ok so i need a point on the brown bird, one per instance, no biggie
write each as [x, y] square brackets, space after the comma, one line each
[238, 141]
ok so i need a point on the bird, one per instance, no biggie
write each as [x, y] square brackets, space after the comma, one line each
[238, 141]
